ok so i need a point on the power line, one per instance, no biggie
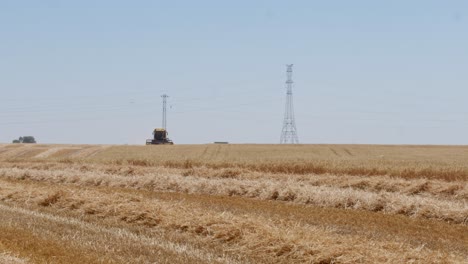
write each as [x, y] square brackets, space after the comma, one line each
[289, 132]
[164, 119]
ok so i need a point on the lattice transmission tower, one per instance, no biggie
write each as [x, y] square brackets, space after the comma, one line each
[289, 132]
[164, 119]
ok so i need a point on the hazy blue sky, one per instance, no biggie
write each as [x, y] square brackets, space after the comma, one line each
[364, 71]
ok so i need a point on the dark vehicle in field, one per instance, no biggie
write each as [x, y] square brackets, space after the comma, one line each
[26, 139]
[159, 138]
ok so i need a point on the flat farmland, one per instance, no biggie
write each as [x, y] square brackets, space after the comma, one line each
[233, 204]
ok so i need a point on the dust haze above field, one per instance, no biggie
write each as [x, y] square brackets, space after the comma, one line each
[386, 72]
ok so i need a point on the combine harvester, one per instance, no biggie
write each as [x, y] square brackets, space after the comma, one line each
[160, 138]
[160, 134]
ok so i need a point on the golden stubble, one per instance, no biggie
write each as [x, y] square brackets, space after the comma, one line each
[234, 204]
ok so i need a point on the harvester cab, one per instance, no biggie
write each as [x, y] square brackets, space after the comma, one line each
[159, 138]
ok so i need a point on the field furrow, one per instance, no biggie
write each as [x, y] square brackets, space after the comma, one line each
[251, 235]
[452, 207]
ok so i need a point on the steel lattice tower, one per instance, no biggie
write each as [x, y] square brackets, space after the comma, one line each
[164, 120]
[289, 133]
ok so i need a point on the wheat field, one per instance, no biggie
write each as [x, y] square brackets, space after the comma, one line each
[233, 204]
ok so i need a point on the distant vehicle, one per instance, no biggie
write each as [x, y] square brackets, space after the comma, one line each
[160, 138]
[26, 140]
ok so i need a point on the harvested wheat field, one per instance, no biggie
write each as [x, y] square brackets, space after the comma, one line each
[233, 204]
